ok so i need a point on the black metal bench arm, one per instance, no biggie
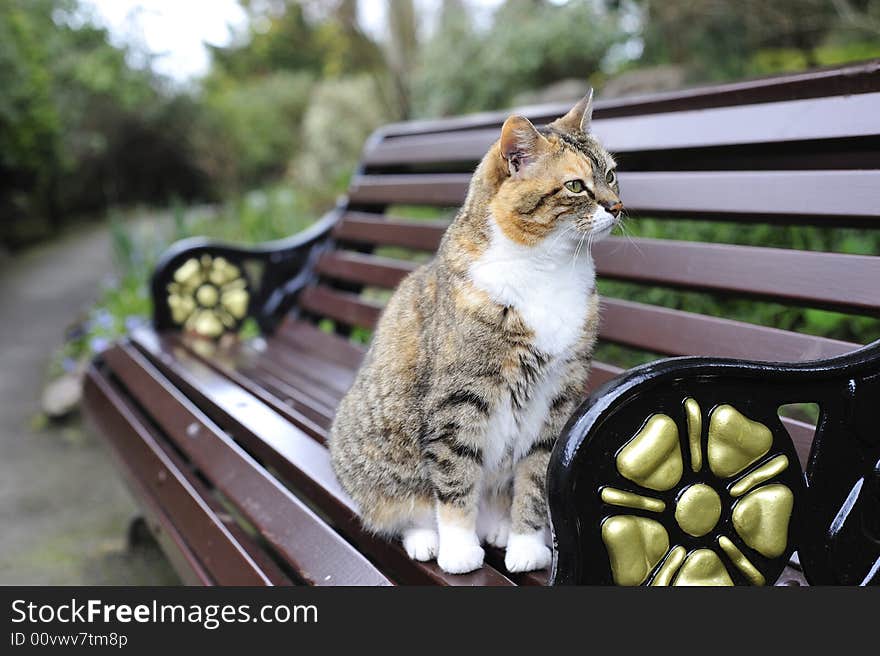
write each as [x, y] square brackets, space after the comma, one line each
[681, 471]
[210, 287]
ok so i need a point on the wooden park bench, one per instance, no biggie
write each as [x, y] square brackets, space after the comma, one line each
[223, 440]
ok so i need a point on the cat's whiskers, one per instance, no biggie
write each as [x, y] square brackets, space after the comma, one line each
[628, 236]
[568, 229]
[578, 249]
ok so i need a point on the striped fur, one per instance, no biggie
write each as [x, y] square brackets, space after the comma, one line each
[481, 356]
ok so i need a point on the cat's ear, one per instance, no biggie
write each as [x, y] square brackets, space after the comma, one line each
[520, 142]
[579, 117]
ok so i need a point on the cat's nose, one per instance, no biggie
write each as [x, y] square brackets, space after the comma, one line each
[614, 208]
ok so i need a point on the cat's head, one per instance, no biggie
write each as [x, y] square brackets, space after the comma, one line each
[555, 179]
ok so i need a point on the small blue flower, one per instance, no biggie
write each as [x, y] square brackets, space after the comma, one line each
[99, 344]
[102, 318]
[133, 322]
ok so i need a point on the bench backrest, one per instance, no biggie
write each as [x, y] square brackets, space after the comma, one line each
[800, 150]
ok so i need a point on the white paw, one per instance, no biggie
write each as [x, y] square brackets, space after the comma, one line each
[460, 552]
[527, 552]
[497, 532]
[460, 559]
[420, 543]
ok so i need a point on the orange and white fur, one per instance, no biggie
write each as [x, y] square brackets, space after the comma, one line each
[482, 354]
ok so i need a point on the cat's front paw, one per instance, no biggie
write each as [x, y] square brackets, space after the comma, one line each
[527, 552]
[460, 553]
[420, 543]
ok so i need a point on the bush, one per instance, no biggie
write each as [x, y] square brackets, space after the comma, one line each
[341, 115]
[530, 45]
[80, 128]
[252, 126]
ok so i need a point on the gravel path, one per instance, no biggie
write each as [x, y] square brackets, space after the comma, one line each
[64, 511]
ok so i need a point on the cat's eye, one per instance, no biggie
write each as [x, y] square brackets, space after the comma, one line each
[575, 186]
[611, 177]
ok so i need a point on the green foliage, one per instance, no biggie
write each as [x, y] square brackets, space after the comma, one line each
[80, 128]
[529, 45]
[29, 124]
[280, 38]
[721, 40]
[251, 127]
[341, 115]
[258, 92]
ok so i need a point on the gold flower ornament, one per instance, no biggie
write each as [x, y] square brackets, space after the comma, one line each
[759, 510]
[208, 295]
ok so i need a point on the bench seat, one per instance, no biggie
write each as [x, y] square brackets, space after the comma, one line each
[223, 440]
[254, 432]
[255, 416]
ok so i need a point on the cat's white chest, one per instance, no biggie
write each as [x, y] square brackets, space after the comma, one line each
[551, 290]
[546, 284]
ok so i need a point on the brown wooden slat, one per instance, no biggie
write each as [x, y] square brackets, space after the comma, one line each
[802, 435]
[319, 397]
[346, 307]
[332, 346]
[440, 189]
[657, 329]
[367, 269]
[847, 283]
[601, 373]
[764, 194]
[674, 332]
[307, 336]
[862, 77]
[299, 411]
[296, 456]
[315, 369]
[296, 394]
[293, 392]
[170, 540]
[368, 228]
[767, 195]
[256, 551]
[313, 550]
[832, 117]
[295, 397]
[227, 561]
[662, 330]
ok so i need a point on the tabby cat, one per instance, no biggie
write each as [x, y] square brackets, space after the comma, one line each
[482, 354]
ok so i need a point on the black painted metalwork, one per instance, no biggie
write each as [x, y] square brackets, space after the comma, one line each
[275, 272]
[836, 523]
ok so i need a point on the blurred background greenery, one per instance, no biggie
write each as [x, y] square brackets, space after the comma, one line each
[120, 132]
[267, 137]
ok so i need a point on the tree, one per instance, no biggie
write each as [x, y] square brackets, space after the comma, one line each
[72, 106]
[717, 40]
[402, 50]
[529, 45]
